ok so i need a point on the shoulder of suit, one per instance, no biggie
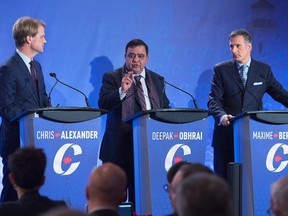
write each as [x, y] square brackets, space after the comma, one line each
[258, 63]
[225, 63]
[152, 73]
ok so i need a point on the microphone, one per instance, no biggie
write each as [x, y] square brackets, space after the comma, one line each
[193, 99]
[49, 95]
[54, 76]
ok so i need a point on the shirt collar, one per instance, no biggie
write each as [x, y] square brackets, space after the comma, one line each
[25, 58]
[247, 64]
[142, 74]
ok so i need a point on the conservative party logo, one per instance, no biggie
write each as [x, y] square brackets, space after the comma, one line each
[170, 157]
[63, 161]
[275, 161]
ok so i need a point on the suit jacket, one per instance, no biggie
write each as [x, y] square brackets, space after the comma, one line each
[30, 204]
[117, 144]
[18, 93]
[229, 96]
[104, 212]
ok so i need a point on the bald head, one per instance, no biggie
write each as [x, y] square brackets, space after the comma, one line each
[107, 186]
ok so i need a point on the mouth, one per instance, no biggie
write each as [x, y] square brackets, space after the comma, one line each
[135, 66]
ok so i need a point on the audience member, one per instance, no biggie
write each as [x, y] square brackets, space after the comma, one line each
[106, 190]
[64, 212]
[27, 167]
[170, 175]
[279, 197]
[203, 194]
[185, 170]
[173, 170]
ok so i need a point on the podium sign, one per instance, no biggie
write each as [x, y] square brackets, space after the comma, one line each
[261, 145]
[72, 151]
[158, 145]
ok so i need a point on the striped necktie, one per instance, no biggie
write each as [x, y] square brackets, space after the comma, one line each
[140, 92]
[243, 70]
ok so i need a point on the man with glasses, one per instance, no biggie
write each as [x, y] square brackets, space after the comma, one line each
[125, 92]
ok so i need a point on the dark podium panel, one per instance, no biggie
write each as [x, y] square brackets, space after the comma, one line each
[261, 146]
[70, 138]
[162, 138]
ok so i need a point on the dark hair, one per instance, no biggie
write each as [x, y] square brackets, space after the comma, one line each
[23, 27]
[204, 194]
[136, 42]
[192, 168]
[241, 32]
[27, 165]
[173, 170]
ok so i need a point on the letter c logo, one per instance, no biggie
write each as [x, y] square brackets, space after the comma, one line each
[57, 164]
[170, 155]
[271, 155]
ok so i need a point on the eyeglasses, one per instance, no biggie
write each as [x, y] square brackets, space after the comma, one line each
[270, 211]
[133, 55]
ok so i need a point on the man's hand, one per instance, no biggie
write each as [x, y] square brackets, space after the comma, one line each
[127, 81]
[226, 120]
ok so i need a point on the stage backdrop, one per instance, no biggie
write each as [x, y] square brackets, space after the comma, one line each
[186, 38]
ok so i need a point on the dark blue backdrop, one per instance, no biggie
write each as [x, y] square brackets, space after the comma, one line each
[186, 38]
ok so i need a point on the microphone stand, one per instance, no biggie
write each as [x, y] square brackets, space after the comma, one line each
[86, 99]
[193, 99]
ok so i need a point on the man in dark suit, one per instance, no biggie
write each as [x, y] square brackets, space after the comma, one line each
[21, 87]
[27, 167]
[106, 190]
[122, 98]
[238, 86]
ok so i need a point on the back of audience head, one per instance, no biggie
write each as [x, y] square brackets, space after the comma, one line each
[27, 167]
[279, 197]
[64, 212]
[173, 170]
[203, 194]
[107, 186]
[185, 170]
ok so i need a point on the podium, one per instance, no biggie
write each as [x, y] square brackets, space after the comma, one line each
[161, 138]
[261, 146]
[70, 138]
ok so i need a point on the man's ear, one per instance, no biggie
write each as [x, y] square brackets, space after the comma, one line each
[28, 39]
[11, 178]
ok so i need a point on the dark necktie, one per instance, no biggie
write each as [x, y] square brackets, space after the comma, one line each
[140, 92]
[32, 70]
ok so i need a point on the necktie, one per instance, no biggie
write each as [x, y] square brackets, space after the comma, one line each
[32, 70]
[140, 92]
[243, 73]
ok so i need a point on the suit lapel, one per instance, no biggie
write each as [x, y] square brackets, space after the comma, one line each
[234, 73]
[30, 85]
[252, 74]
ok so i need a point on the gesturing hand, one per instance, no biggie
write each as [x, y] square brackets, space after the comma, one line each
[127, 81]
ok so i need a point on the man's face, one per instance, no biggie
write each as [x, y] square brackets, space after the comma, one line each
[38, 41]
[240, 49]
[173, 187]
[136, 59]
